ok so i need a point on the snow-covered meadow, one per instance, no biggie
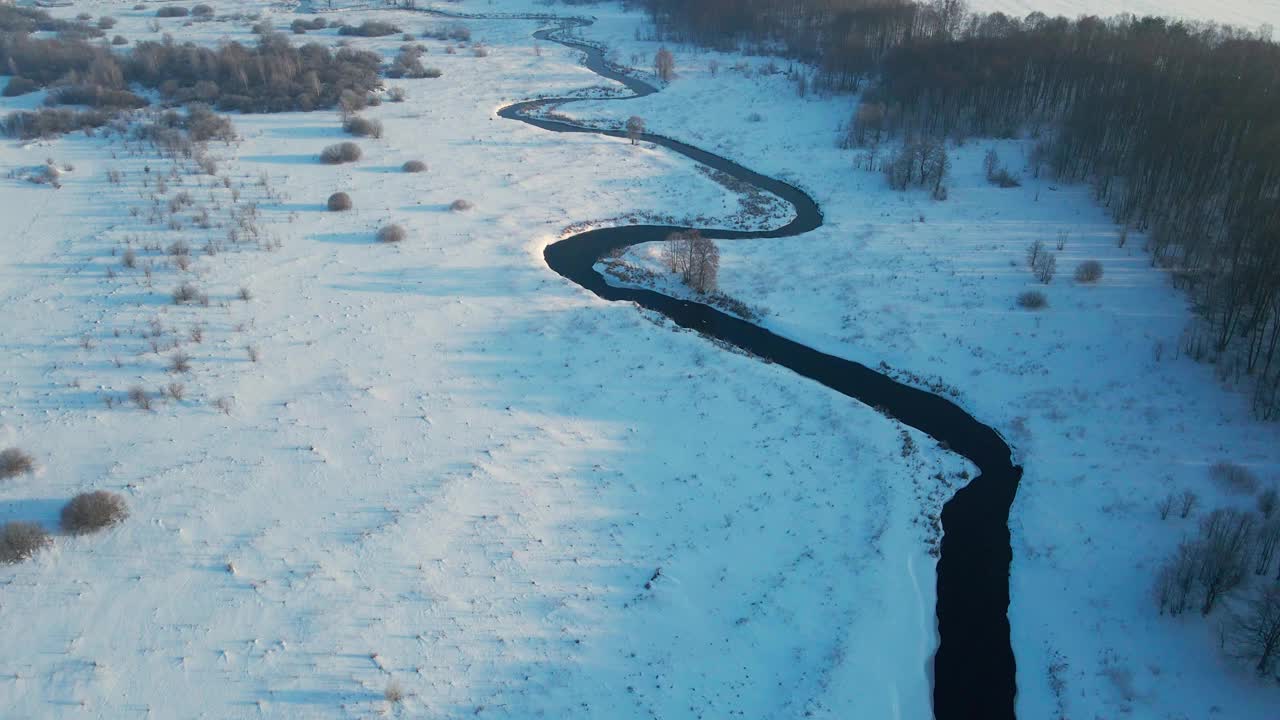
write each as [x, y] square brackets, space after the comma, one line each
[1094, 393]
[450, 471]
[447, 470]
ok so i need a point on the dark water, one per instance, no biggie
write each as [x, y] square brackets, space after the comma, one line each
[974, 667]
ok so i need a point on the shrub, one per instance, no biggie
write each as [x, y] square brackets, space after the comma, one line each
[362, 127]
[180, 362]
[19, 85]
[202, 10]
[370, 28]
[394, 694]
[396, 94]
[1003, 179]
[1089, 271]
[172, 11]
[1268, 501]
[414, 166]
[1032, 300]
[339, 202]
[119, 40]
[21, 540]
[408, 64]
[300, 26]
[14, 462]
[203, 124]
[95, 96]
[1234, 478]
[48, 122]
[93, 511]
[185, 293]
[106, 22]
[460, 205]
[341, 153]
[391, 234]
[273, 76]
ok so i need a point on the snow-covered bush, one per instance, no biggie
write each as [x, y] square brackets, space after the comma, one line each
[1089, 271]
[362, 127]
[14, 462]
[341, 153]
[1234, 478]
[1032, 300]
[93, 511]
[370, 28]
[392, 234]
[185, 293]
[339, 202]
[20, 540]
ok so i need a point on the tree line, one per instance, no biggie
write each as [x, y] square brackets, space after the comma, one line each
[1174, 124]
[269, 76]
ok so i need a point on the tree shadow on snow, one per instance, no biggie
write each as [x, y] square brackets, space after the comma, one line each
[346, 238]
[43, 511]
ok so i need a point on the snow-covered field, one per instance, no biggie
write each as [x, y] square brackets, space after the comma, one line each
[1106, 414]
[448, 468]
[452, 471]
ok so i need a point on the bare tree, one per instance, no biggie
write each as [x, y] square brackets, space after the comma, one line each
[1187, 503]
[677, 251]
[1045, 267]
[1165, 506]
[664, 65]
[1034, 251]
[695, 257]
[1265, 544]
[635, 128]
[1253, 630]
[935, 166]
[991, 163]
[705, 269]
[1225, 539]
[1176, 580]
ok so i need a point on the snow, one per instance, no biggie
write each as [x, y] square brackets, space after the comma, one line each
[453, 470]
[1095, 393]
[449, 468]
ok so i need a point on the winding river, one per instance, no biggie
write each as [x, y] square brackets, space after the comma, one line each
[973, 669]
